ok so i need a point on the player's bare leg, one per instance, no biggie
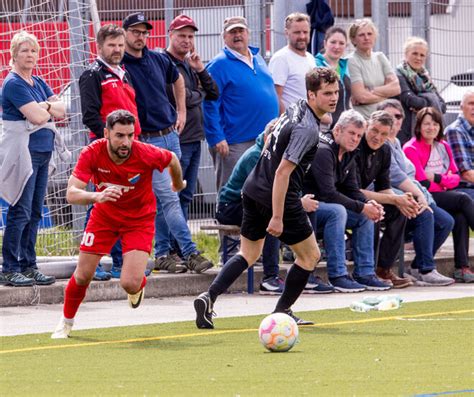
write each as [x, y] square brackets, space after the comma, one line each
[132, 279]
[75, 292]
[307, 256]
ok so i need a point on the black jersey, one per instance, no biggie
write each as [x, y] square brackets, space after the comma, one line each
[294, 138]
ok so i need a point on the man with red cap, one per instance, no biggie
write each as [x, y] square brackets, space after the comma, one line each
[199, 85]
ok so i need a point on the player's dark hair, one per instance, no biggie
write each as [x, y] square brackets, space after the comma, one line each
[317, 76]
[109, 30]
[120, 116]
[437, 118]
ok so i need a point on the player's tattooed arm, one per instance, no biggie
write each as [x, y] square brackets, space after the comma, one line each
[76, 193]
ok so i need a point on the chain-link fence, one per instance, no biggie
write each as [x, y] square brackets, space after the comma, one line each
[65, 29]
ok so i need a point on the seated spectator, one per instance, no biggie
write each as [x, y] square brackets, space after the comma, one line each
[373, 79]
[431, 225]
[417, 88]
[373, 166]
[460, 136]
[333, 181]
[332, 56]
[229, 212]
[435, 169]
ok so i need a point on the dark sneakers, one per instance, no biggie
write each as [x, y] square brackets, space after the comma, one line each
[38, 277]
[203, 306]
[170, 263]
[299, 321]
[16, 280]
[198, 263]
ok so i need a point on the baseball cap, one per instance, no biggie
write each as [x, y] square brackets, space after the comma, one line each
[136, 19]
[182, 21]
[235, 22]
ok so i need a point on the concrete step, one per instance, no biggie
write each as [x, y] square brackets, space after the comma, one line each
[159, 284]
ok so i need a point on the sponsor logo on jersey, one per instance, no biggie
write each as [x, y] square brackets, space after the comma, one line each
[133, 178]
[102, 170]
[124, 189]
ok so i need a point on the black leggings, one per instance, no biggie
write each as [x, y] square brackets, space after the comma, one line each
[461, 207]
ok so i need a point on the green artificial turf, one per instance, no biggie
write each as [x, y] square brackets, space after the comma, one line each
[347, 354]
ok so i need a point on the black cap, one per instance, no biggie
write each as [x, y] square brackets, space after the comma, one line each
[136, 19]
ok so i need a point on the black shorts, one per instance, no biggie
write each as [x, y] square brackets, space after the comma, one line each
[256, 217]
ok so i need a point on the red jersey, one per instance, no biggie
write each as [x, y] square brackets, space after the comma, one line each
[133, 177]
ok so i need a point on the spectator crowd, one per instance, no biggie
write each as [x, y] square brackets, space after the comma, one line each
[386, 171]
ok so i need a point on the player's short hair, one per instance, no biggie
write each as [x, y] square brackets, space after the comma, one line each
[296, 17]
[317, 76]
[109, 30]
[437, 118]
[120, 116]
[350, 117]
[391, 103]
[381, 117]
[361, 23]
[20, 38]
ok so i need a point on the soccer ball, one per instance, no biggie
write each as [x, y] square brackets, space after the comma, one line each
[278, 332]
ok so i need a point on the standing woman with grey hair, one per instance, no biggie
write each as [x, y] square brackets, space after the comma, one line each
[372, 77]
[26, 148]
[417, 88]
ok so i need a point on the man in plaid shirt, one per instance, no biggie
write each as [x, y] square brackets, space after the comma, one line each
[460, 135]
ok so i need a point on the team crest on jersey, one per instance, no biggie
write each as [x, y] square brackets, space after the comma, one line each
[133, 178]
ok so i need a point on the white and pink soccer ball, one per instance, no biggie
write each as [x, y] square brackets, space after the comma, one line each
[278, 332]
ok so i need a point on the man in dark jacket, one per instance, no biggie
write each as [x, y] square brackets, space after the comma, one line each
[333, 181]
[373, 165]
[199, 85]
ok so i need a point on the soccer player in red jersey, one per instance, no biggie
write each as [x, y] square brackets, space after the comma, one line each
[124, 207]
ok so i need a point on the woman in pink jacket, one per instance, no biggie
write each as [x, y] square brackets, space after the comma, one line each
[436, 170]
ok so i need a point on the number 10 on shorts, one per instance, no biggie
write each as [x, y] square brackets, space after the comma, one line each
[87, 239]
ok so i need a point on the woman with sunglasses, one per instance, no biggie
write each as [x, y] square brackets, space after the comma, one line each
[417, 88]
[435, 169]
[431, 227]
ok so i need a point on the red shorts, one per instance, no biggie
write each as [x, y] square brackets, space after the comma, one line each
[101, 234]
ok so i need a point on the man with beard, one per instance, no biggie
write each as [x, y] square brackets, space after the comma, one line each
[161, 125]
[124, 207]
[104, 87]
[290, 64]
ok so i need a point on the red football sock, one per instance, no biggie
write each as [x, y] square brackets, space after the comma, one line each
[73, 296]
[143, 283]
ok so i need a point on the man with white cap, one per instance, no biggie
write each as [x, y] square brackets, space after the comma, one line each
[247, 98]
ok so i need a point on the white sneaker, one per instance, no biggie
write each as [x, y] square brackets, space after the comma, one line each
[63, 328]
[135, 299]
[434, 279]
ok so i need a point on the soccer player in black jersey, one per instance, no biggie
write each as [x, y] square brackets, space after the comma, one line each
[271, 198]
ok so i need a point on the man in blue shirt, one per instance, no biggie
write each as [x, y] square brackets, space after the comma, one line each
[247, 99]
[161, 125]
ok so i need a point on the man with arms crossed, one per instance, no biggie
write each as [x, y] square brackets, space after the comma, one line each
[271, 198]
[125, 207]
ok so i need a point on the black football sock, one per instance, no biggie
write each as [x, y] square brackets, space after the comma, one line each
[295, 282]
[229, 273]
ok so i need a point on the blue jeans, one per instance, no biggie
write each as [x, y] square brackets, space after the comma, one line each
[429, 231]
[169, 215]
[333, 219]
[190, 159]
[23, 218]
[271, 256]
